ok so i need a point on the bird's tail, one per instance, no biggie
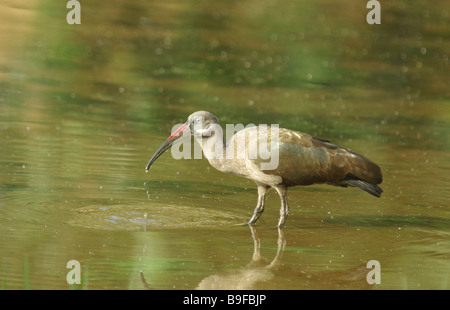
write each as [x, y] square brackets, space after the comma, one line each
[359, 171]
[372, 189]
[363, 174]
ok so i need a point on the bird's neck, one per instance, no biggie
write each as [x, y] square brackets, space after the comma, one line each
[214, 149]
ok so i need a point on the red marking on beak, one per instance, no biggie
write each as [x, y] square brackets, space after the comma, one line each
[176, 132]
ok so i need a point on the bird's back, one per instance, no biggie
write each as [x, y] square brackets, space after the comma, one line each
[305, 160]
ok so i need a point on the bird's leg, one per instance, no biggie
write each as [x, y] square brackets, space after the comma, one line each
[284, 211]
[262, 190]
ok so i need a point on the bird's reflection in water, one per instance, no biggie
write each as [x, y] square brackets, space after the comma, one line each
[256, 270]
[259, 273]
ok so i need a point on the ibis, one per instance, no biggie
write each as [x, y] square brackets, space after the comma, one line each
[301, 159]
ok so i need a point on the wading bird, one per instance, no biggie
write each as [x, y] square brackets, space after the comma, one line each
[302, 159]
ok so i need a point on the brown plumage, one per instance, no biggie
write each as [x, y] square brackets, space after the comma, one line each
[308, 160]
[302, 159]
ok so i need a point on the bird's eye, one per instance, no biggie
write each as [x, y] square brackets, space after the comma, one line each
[198, 120]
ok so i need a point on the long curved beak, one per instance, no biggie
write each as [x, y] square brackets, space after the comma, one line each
[168, 143]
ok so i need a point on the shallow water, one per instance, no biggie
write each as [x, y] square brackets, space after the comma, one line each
[83, 107]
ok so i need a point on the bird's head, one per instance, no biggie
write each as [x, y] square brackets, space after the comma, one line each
[200, 124]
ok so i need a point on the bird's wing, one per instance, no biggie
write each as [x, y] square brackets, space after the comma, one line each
[304, 159]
